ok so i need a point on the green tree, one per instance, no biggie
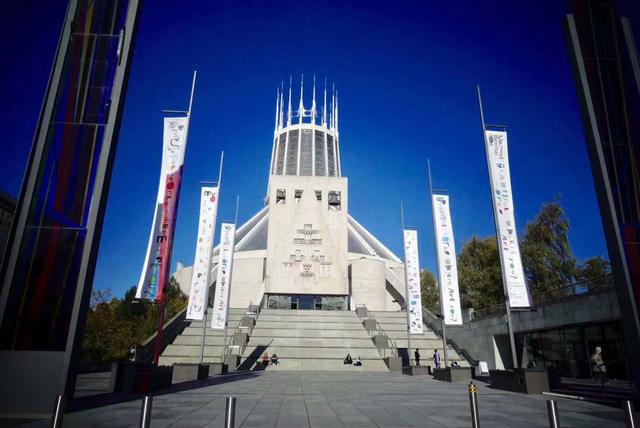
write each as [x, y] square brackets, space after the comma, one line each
[595, 272]
[547, 258]
[479, 274]
[429, 291]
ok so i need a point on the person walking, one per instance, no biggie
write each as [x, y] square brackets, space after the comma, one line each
[416, 356]
[436, 358]
[598, 365]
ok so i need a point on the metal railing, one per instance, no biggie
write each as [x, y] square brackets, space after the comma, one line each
[393, 348]
[243, 329]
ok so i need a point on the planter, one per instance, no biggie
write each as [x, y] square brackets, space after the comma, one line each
[362, 312]
[415, 370]
[189, 372]
[394, 363]
[240, 339]
[232, 361]
[150, 378]
[453, 374]
[526, 381]
[381, 341]
[217, 368]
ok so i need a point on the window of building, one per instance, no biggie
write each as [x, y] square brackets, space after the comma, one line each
[318, 195]
[298, 195]
[334, 200]
[281, 196]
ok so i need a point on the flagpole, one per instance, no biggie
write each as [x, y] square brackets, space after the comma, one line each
[512, 340]
[441, 293]
[206, 288]
[163, 300]
[406, 285]
[226, 325]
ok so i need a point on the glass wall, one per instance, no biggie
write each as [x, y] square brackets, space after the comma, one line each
[306, 152]
[306, 302]
[320, 162]
[292, 153]
[569, 349]
[45, 277]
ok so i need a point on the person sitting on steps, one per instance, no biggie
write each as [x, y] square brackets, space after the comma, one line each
[265, 360]
[274, 360]
[358, 362]
[348, 360]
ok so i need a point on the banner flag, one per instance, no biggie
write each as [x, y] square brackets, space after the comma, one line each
[412, 276]
[200, 279]
[499, 174]
[223, 280]
[447, 266]
[173, 149]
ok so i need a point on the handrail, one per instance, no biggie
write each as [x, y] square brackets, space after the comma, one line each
[379, 329]
[238, 328]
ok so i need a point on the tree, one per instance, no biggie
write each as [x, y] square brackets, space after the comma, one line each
[547, 258]
[595, 272]
[479, 274]
[429, 291]
[114, 326]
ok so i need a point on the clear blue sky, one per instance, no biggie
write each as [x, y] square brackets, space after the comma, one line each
[406, 72]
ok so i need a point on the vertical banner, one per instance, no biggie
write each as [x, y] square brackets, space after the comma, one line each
[200, 279]
[223, 280]
[447, 266]
[412, 276]
[499, 174]
[173, 149]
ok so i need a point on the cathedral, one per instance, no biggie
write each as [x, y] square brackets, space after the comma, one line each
[303, 250]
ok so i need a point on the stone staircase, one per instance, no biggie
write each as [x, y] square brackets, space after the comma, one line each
[394, 324]
[312, 340]
[186, 347]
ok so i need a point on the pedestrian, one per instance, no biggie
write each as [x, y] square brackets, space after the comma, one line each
[274, 360]
[416, 355]
[598, 365]
[265, 360]
[436, 358]
[348, 360]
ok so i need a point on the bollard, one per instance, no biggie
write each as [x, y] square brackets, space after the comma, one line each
[628, 412]
[58, 412]
[230, 413]
[473, 402]
[552, 410]
[145, 412]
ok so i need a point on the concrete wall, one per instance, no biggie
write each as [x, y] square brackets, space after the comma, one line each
[307, 240]
[487, 340]
[368, 285]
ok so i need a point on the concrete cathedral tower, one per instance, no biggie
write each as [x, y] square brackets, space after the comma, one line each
[303, 250]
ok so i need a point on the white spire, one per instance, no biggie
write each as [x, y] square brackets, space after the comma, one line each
[336, 124]
[324, 107]
[301, 105]
[332, 125]
[313, 103]
[289, 109]
[277, 110]
[281, 119]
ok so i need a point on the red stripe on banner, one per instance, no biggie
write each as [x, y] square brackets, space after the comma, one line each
[169, 215]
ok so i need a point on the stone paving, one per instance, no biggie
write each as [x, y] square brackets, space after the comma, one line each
[325, 399]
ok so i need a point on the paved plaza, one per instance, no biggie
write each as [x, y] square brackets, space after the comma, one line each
[325, 399]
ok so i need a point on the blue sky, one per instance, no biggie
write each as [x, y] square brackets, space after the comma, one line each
[406, 72]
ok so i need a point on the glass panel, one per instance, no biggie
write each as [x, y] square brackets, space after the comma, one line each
[292, 153]
[330, 159]
[43, 288]
[306, 152]
[281, 148]
[320, 163]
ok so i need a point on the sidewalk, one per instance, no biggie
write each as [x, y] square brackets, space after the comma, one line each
[325, 399]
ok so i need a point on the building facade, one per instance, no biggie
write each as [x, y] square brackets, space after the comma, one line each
[303, 250]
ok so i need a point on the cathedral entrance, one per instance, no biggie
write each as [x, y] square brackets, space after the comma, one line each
[306, 302]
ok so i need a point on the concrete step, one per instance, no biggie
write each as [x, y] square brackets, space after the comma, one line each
[375, 365]
[307, 342]
[258, 331]
[325, 353]
[312, 325]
